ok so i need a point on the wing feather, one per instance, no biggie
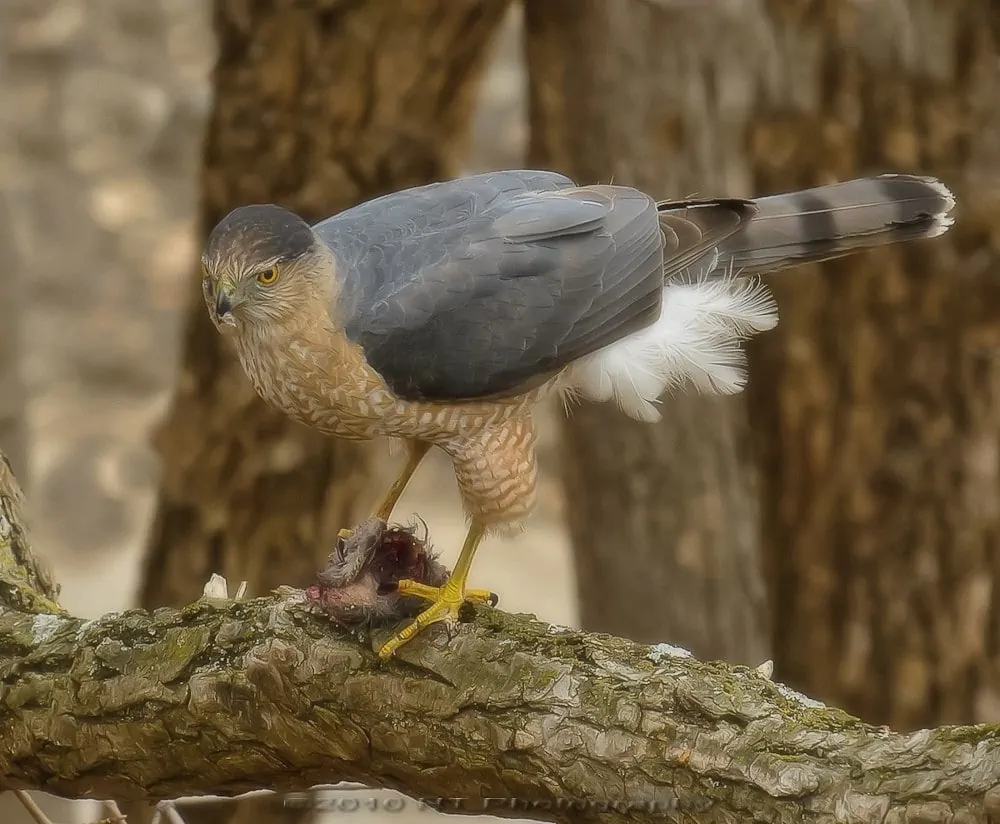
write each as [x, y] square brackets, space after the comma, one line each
[476, 287]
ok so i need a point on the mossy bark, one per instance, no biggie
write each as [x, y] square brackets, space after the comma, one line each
[26, 583]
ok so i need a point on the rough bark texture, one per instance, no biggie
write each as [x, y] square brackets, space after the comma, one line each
[26, 583]
[225, 696]
[619, 91]
[877, 401]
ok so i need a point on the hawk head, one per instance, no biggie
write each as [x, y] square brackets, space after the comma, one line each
[261, 262]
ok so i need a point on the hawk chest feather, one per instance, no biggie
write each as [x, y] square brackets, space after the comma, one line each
[315, 384]
[328, 385]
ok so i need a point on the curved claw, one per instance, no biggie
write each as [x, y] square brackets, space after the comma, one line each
[446, 603]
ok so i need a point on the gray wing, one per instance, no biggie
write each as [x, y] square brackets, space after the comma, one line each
[475, 287]
[488, 284]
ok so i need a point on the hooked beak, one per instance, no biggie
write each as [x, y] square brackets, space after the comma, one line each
[224, 304]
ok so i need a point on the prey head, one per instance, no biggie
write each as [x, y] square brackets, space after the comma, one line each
[261, 264]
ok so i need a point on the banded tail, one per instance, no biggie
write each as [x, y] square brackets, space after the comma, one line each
[835, 220]
[712, 301]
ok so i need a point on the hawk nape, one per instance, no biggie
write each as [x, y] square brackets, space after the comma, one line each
[442, 314]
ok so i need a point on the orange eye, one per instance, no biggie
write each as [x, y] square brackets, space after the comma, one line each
[268, 276]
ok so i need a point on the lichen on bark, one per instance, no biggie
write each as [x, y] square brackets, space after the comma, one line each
[26, 583]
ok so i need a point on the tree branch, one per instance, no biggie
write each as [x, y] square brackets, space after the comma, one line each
[25, 581]
[225, 696]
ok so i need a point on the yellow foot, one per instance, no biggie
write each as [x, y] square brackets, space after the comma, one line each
[446, 602]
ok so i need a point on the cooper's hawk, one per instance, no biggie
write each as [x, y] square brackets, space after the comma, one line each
[442, 314]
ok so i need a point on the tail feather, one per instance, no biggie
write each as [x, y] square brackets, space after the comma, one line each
[831, 221]
[712, 298]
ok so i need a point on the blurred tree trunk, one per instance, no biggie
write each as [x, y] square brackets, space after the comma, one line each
[663, 517]
[317, 106]
[877, 405]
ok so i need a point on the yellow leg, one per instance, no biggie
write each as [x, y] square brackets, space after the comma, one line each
[445, 601]
[416, 450]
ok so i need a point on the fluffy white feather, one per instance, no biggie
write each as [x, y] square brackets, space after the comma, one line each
[696, 339]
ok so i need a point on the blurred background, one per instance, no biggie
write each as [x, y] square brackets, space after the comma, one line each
[840, 517]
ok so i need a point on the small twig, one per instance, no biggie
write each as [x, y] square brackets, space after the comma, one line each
[188, 800]
[33, 809]
[185, 800]
[169, 809]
